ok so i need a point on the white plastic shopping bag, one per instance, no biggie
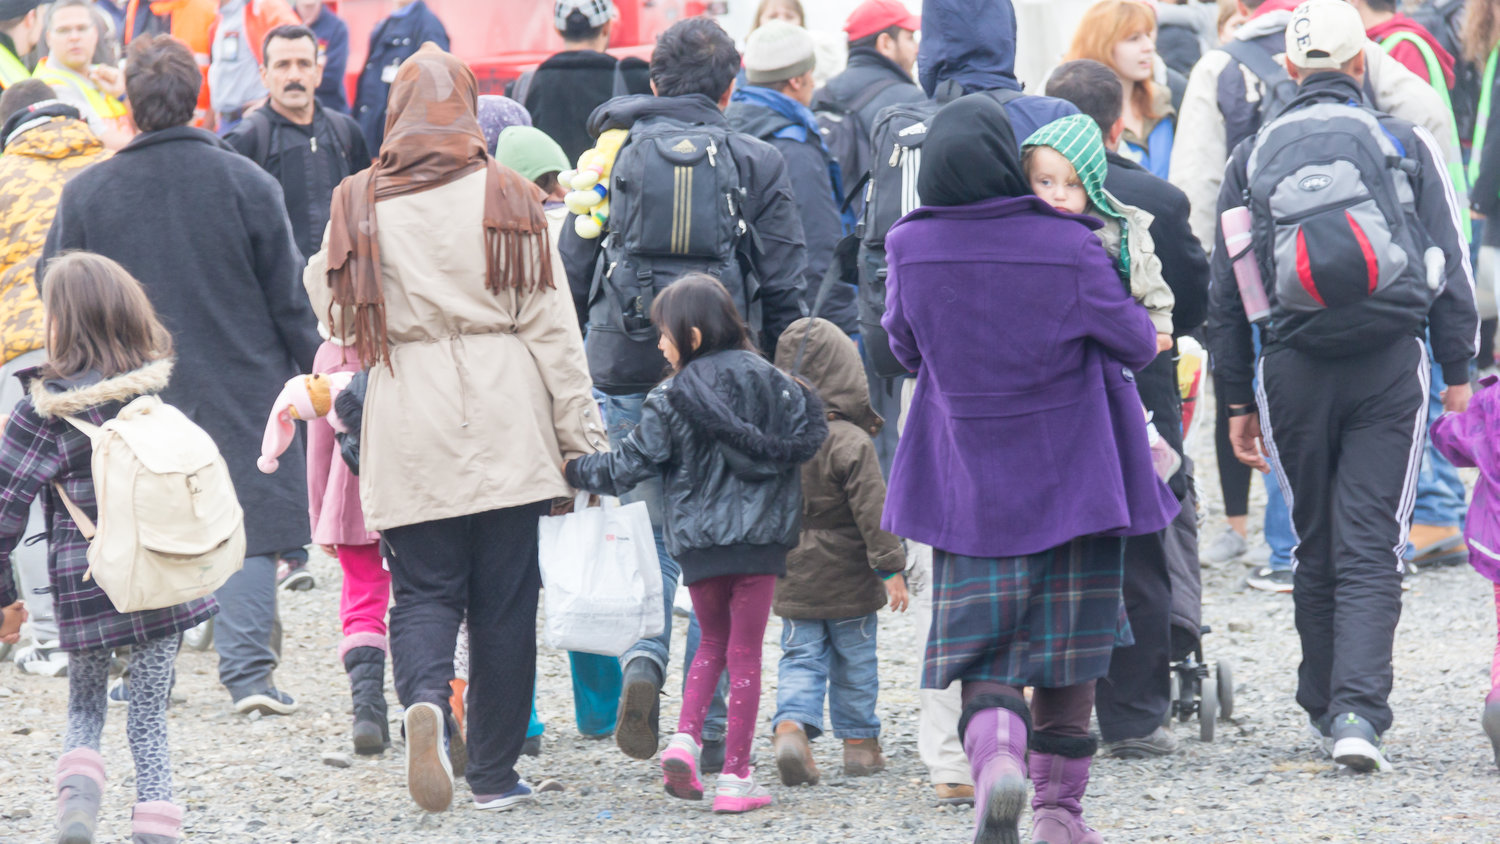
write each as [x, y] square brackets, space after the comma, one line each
[601, 579]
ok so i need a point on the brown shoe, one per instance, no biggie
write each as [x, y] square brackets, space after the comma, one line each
[794, 759]
[862, 757]
[955, 794]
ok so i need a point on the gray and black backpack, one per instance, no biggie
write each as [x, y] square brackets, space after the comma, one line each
[1342, 253]
[676, 200]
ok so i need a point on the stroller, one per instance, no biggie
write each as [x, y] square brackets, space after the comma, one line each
[1198, 690]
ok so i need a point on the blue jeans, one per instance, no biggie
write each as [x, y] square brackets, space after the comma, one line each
[836, 655]
[1440, 491]
[621, 415]
[718, 710]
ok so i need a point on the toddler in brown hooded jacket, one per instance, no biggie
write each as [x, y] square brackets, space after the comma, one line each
[843, 570]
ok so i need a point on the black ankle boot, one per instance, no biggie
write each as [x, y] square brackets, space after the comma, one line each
[636, 730]
[372, 730]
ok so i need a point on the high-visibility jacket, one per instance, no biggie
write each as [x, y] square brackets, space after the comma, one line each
[12, 69]
[106, 107]
[1438, 80]
[191, 22]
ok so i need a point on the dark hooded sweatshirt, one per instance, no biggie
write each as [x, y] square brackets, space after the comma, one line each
[972, 45]
[834, 572]
[567, 87]
[726, 435]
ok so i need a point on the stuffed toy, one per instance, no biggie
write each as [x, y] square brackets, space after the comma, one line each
[305, 397]
[590, 184]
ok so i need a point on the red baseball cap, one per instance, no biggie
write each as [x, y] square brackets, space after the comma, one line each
[875, 16]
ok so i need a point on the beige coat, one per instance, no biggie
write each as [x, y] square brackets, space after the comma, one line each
[489, 392]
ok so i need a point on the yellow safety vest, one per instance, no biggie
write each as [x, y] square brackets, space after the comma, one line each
[105, 106]
[1439, 83]
[12, 69]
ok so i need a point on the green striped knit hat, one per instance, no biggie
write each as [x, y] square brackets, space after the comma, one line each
[1077, 138]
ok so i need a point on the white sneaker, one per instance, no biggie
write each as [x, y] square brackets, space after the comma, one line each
[429, 773]
[1226, 546]
[44, 659]
[734, 795]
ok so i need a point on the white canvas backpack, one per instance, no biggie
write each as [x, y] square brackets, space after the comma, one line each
[170, 526]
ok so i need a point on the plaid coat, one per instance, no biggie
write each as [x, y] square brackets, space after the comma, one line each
[40, 447]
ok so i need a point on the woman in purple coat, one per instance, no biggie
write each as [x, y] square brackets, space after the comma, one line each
[1024, 460]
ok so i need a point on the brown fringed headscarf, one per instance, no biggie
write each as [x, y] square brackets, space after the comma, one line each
[432, 137]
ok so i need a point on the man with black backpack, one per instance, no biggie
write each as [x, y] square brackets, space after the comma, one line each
[882, 53]
[779, 61]
[1355, 253]
[687, 194]
[307, 148]
[1235, 89]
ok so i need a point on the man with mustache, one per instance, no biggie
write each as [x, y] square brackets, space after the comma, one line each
[307, 148]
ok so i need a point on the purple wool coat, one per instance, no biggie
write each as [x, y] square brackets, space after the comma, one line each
[1026, 429]
[1470, 439]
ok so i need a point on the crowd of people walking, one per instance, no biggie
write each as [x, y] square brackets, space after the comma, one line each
[907, 335]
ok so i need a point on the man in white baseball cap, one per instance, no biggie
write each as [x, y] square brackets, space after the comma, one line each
[565, 89]
[1345, 299]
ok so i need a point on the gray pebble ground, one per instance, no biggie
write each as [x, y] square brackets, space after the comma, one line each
[293, 779]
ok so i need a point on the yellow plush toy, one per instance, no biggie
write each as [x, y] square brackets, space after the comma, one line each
[590, 184]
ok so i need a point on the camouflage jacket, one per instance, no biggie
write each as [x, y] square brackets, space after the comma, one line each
[33, 169]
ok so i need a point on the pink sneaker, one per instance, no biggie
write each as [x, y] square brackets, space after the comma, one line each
[739, 794]
[679, 768]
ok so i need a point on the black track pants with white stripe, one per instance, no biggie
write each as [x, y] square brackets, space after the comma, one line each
[1345, 437]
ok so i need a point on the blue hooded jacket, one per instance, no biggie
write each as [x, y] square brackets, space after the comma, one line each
[972, 43]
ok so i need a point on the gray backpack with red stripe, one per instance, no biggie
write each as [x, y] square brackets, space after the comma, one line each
[1342, 253]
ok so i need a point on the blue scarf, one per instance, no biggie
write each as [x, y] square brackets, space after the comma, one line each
[804, 127]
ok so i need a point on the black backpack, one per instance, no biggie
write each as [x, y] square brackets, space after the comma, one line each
[676, 200]
[261, 132]
[1278, 89]
[891, 193]
[845, 133]
[1444, 19]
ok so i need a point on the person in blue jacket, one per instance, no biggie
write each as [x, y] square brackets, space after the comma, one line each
[333, 49]
[392, 42]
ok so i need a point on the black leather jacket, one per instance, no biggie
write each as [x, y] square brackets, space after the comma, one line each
[726, 435]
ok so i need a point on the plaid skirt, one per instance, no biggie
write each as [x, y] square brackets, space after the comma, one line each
[1049, 619]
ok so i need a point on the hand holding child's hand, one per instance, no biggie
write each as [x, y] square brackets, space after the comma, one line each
[11, 619]
[895, 589]
[1163, 343]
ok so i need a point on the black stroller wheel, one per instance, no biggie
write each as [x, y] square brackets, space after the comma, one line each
[1208, 710]
[1225, 687]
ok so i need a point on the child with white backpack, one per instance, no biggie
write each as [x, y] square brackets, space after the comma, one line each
[108, 356]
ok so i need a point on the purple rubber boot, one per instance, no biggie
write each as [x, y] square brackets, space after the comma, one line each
[995, 742]
[1057, 807]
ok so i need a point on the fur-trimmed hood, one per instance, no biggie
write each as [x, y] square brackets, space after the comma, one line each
[60, 397]
[761, 418]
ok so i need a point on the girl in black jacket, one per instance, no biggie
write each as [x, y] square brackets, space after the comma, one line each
[726, 433]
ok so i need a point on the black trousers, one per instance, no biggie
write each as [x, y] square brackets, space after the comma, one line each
[485, 565]
[1345, 436]
[1132, 699]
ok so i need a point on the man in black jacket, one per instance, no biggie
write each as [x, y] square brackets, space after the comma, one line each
[692, 72]
[1339, 409]
[307, 148]
[779, 61]
[1132, 701]
[215, 255]
[566, 88]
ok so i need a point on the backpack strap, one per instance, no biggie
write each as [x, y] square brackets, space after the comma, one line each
[869, 94]
[1261, 63]
[1438, 83]
[85, 524]
[522, 86]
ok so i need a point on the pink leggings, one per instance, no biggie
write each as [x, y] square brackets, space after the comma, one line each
[732, 611]
[367, 595]
[1495, 664]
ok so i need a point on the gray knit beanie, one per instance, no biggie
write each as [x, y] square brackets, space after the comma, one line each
[778, 51]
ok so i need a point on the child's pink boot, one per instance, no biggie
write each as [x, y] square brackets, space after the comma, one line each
[80, 787]
[156, 822]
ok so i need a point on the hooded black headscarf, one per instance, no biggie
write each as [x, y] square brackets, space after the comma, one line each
[970, 155]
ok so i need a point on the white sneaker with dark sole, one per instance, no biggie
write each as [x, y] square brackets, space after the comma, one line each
[1356, 745]
[518, 796]
[42, 659]
[429, 773]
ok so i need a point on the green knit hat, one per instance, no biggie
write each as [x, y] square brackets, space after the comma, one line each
[530, 152]
[1078, 139]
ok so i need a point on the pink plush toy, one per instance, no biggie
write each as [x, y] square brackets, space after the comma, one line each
[304, 397]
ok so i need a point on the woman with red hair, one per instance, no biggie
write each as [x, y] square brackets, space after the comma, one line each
[1121, 34]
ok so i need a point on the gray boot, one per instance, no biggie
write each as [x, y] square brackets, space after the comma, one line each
[156, 822]
[80, 787]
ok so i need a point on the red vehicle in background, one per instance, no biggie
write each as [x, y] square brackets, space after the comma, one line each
[501, 39]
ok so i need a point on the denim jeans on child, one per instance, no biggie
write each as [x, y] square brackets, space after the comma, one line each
[621, 415]
[836, 655]
[1440, 491]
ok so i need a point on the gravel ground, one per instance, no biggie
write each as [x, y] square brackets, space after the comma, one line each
[266, 780]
